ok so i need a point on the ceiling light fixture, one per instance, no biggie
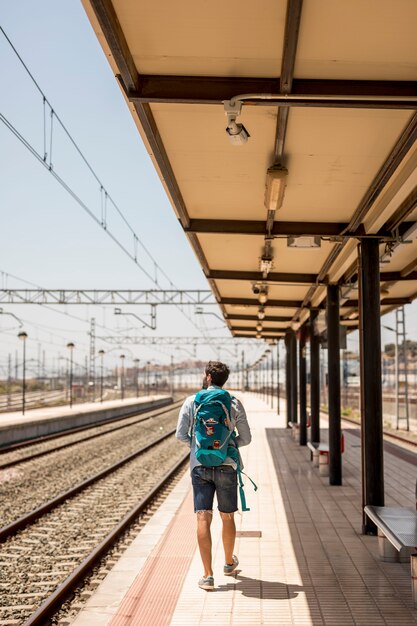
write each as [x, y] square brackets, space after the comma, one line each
[258, 336]
[261, 313]
[276, 179]
[259, 327]
[238, 135]
[304, 241]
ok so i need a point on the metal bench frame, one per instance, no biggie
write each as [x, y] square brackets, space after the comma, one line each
[397, 537]
[320, 456]
[295, 430]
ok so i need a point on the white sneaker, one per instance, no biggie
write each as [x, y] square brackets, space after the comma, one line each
[229, 569]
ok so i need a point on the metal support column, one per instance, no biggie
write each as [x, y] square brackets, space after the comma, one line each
[303, 386]
[278, 381]
[371, 385]
[314, 378]
[294, 377]
[333, 344]
[288, 375]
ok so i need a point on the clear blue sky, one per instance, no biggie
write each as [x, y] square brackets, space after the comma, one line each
[46, 238]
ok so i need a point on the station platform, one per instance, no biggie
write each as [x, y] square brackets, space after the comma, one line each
[303, 561]
[15, 427]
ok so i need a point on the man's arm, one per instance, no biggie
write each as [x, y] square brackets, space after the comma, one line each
[185, 420]
[244, 436]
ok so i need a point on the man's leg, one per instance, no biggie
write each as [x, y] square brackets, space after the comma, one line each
[226, 489]
[203, 489]
[204, 540]
[228, 536]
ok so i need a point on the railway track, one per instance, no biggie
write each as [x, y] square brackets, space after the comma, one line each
[45, 554]
[15, 454]
[32, 484]
[33, 399]
[387, 434]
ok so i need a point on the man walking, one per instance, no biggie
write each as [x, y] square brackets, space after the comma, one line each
[220, 479]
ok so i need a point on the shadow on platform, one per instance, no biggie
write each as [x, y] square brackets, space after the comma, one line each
[262, 589]
[340, 575]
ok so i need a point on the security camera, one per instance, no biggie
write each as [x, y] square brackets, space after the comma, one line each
[238, 135]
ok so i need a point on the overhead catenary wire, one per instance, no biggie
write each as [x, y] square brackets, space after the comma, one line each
[5, 275]
[102, 221]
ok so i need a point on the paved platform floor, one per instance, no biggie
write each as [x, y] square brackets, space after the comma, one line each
[310, 566]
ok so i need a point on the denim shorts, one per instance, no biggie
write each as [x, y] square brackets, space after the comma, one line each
[222, 480]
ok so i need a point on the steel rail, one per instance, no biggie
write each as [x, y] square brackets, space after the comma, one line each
[385, 432]
[72, 431]
[11, 529]
[62, 446]
[56, 599]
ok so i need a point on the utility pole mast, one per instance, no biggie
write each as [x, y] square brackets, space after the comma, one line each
[243, 371]
[9, 380]
[92, 362]
[401, 392]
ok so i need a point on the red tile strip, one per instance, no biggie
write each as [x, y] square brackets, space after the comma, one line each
[152, 598]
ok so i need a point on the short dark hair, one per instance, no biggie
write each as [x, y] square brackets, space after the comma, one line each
[218, 371]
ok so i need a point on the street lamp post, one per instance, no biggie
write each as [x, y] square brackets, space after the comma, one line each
[122, 375]
[71, 347]
[147, 377]
[23, 336]
[136, 362]
[101, 353]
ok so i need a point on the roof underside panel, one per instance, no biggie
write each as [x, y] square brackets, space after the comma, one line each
[353, 39]
[351, 171]
[332, 155]
[213, 38]
[216, 179]
[242, 252]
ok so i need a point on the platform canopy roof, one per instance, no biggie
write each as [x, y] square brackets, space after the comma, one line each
[339, 125]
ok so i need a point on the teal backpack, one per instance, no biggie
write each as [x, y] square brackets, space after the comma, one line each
[213, 431]
[212, 426]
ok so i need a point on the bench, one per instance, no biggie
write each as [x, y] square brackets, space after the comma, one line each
[320, 454]
[397, 537]
[295, 430]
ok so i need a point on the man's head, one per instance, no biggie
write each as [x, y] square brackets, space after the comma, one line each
[217, 374]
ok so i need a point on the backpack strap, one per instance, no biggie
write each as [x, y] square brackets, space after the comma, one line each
[234, 454]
